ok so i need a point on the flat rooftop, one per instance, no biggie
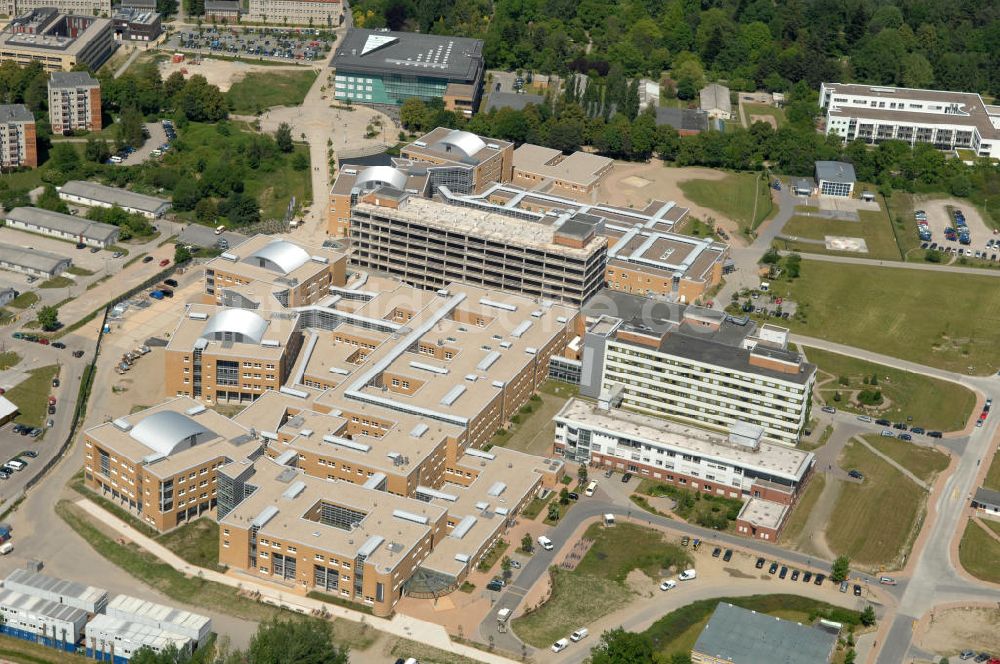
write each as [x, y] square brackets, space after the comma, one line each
[15, 113]
[136, 634]
[763, 513]
[777, 460]
[741, 636]
[72, 79]
[237, 332]
[286, 502]
[377, 52]
[53, 37]
[580, 168]
[175, 435]
[494, 226]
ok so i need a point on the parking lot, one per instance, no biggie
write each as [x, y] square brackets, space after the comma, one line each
[93, 261]
[157, 137]
[939, 218]
[282, 45]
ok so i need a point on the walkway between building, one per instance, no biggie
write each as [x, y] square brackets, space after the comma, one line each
[892, 462]
[402, 626]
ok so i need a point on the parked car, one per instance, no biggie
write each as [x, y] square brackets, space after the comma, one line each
[147, 259]
[857, 590]
[493, 585]
[966, 654]
[795, 575]
[887, 433]
[94, 250]
[883, 422]
[58, 344]
[773, 568]
[78, 353]
[760, 563]
[669, 584]
[807, 577]
[864, 418]
[31, 454]
[844, 585]
[573, 495]
[171, 282]
[716, 552]
[784, 572]
[856, 474]
[934, 434]
[514, 564]
[165, 262]
[579, 634]
[727, 556]
[829, 409]
[545, 543]
[626, 478]
[887, 580]
[688, 575]
[81, 245]
[50, 423]
[820, 578]
[919, 430]
[560, 645]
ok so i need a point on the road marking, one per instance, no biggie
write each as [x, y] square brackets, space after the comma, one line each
[954, 494]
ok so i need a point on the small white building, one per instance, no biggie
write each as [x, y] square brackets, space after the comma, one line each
[41, 621]
[87, 598]
[63, 226]
[92, 194]
[987, 501]
[715, 101]
[835, 178]
[32, 261]
[166, 618]
[116, 640]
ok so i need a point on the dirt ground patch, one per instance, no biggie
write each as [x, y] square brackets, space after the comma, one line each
[223, 73]
[629, 185]
[953, 630]
[639, 583]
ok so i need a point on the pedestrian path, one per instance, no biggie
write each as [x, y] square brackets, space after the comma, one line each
[402, 626]
[892, 462]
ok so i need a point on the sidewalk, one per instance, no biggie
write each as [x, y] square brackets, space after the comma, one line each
[402, 626]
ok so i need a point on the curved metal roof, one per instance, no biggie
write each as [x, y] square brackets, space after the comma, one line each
[282, 255]
[467, 142]
[167, 431]
[378, 175]
[244, 325]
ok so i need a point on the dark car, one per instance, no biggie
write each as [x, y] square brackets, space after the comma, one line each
[820, 578]
[81, 245]
[934, 434]
[857, 590]
[773, 568]
[685, 540]
[17, 428]
[147, 259]
[856, 474]
[783, 573]
[167, 292]
[807, 577]
[25, 431]
[795, 575]
[728, 555]
[171, 282]
[495, 586]
[626, 477]
[919, 430]
[905, 436]
[716, 552]
[77, 353]
[760, 563]
[900, 425]
[94, 250]
[31, 454]
[883, 422]
[573, 495]
[58, 344]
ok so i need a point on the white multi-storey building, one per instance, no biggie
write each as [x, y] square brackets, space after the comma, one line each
[698, 365]
[946, 120]
[314, 13]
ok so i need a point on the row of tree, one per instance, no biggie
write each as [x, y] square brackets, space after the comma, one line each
[750, 43]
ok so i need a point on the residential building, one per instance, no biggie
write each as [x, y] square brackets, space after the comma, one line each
[58, 41]
[33, 262]
[577, 174]
[224, 11]
[314, 13]
[230, 355]
[139, 5]
[716, 101]
[92, 194]
[63, 226]
[496, 100]
[735, 635]
[18, 145]
[81, 7]
[987, 501]
[273, 272]
[137, 25]
[695, 365]
[687, 121]
[74, 102]
[8, 410]
[462, 161]
[429, 244]
[947, 120]
[835, 178]
[380, 67]
[735, 464]
[160, 463]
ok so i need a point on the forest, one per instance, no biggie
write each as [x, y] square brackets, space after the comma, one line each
[752, 44]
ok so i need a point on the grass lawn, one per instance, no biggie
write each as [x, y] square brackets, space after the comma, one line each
[677, 631]
[874, 522]
[404, 648]
[764, 109]
[910, 314]
[901, 207]
[803, 508]
[24, 300]
[601, 574]
[25, 652]
[874, 228]
[80, 271]
[979, 552]
[9, 359]
[196, 542]
[493, 556]
[931, 402]
[57, 282]
[992, 480]
[733, 196]
[924, 462]
[706, 510]
[537, 506]
[32, 394]
[992, 525]
[258, 91]
[532, 429]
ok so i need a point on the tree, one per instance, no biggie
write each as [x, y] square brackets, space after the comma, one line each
[97, 150]
[841, 569]
[564, 496]
[49, 200]
[201, 102]
[581, 473]
[295, 642]
[413, 113]
[868, 616]
[48, 317]
[553, 514]
[506, 566]
[527, 544]
[181, 254]
[283, 137]
[128, 131]
[620, 647]
[793, 266]
[300, 161]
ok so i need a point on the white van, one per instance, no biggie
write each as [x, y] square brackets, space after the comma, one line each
[545, 543]
[6, 548]
[503, 615]
[688, 575]
[591, 488]
[14, 464]
[219, 229]
[579, 634]
[609, 519]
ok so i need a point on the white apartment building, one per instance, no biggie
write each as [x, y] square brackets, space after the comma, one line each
[81, 7]
[74, 102]
[314, 13]
[946, 120]
[697, 365]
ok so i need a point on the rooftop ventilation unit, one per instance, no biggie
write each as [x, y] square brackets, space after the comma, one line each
[229, 257]
[419, 430]
[410, 516]
[348, 443]
[497, 488]
[519, 331]
[320, 259]
[270, 343]
[265, 515]
[497, 305]
[195, 410]
[472, 451]
[294, 490]
[292, 392]
[453, 394]
[463, 527]
[121, 424]
[429, 367]
[197, 315]
[488, 361]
